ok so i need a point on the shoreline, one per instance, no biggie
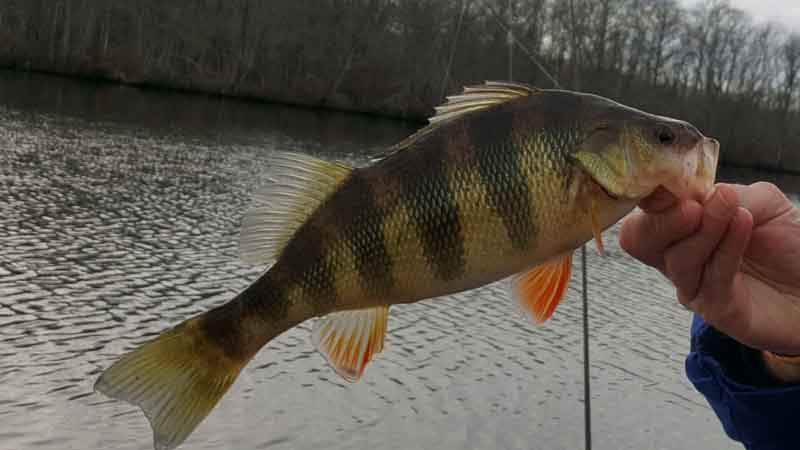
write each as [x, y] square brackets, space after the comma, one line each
[149, 88]
[155, 87]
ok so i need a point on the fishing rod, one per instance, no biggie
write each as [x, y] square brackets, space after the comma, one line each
[511, 42]
[587, 392]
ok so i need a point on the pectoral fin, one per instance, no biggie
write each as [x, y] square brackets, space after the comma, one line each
[350, 339]
[597, 230]
[540, 290]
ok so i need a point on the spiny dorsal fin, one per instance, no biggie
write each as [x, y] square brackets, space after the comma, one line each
[349, 339]
[297, 185]
[477, 98]
[473, 98]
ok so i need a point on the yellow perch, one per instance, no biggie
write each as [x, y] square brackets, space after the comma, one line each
[505, 180]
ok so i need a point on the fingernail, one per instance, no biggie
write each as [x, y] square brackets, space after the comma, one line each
[742, 219]
[687, 305]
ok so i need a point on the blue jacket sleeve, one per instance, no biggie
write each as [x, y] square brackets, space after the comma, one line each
[754, 408]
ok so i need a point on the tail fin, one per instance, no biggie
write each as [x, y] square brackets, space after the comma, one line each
[176, 379]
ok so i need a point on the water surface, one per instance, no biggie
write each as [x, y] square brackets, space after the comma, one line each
[119, 214]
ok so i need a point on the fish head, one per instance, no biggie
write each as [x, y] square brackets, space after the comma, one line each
[630, 153]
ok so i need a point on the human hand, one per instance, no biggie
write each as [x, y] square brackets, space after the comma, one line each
[735, 261]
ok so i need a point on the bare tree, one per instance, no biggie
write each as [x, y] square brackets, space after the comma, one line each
[709, 64]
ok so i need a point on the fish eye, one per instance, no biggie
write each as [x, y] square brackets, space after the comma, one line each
[665, 136]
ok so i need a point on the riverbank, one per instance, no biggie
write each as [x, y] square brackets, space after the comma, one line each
[167, 111]
[279, 52]
[157, 107]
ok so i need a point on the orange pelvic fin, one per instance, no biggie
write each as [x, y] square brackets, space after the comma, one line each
[540, 290]
[350, 339]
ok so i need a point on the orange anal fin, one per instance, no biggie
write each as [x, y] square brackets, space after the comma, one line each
[350, 339]
[540, 290]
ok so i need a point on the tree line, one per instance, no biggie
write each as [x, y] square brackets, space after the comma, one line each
[711, 63]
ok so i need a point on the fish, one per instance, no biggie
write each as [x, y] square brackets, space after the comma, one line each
[506, 180]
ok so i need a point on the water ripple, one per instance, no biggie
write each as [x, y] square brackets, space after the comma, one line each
[112, 232]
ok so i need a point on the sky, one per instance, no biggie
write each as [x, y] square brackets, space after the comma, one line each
[785, 12]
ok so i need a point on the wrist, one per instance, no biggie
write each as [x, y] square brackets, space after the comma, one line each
[783, 368]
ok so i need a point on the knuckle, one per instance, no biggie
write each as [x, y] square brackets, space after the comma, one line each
[720, 209]
[670, 267]
[769, 188]
[685, 220]
[717, 270]
[678, 270]
[722, 312]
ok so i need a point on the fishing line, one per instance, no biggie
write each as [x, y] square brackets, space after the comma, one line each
[453, 49]
[587, 392]
[512, 40]
[523, 48]
[510, 37]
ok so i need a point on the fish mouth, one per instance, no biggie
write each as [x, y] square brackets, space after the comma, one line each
[687, 173]
[694, 172]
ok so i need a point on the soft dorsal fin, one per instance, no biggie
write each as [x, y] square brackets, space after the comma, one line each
[297, 185]
[473, 98]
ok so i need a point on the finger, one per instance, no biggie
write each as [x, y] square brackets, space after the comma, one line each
[658, 201]
[684, 261]
[646, 236]
[719, 301]
[765, 201]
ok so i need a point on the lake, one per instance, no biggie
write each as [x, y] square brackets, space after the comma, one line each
[119, 217]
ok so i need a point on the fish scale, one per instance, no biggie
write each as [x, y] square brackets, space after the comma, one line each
[508, 183]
